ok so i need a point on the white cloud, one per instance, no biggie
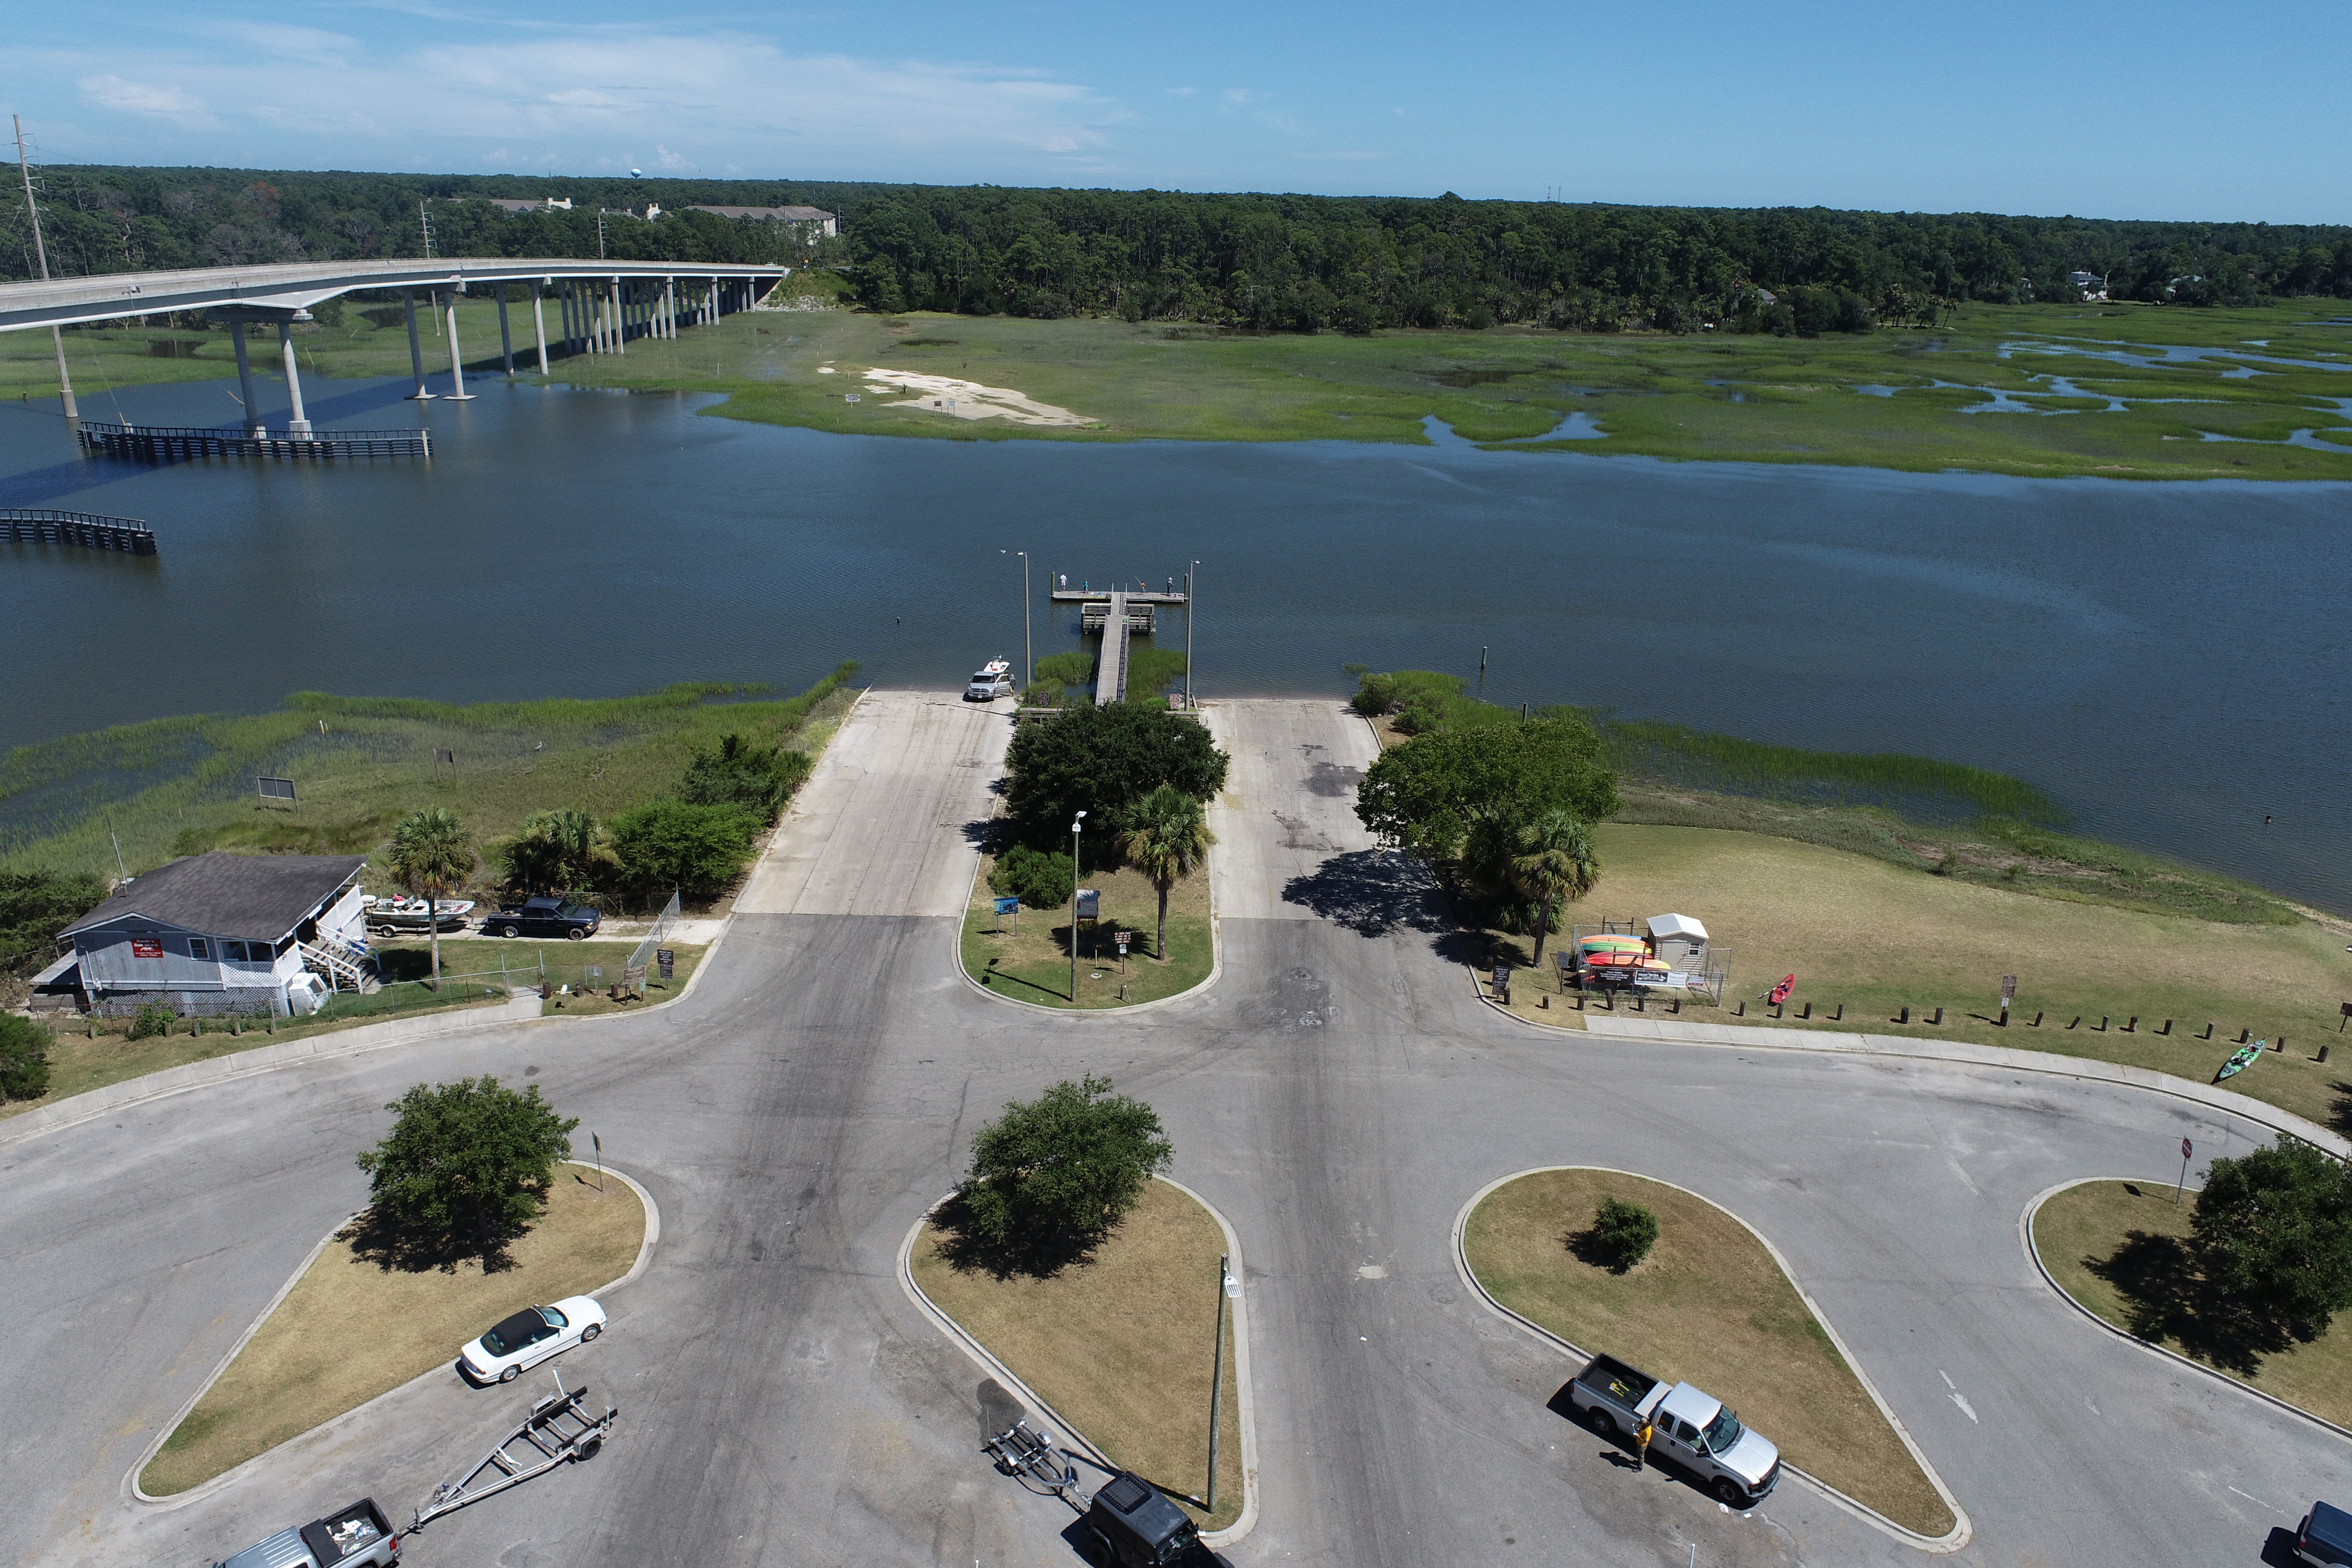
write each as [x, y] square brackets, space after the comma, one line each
[733, 99]
[138, 98]
[1338, 157]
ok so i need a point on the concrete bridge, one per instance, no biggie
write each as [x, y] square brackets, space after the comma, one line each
[601, 305]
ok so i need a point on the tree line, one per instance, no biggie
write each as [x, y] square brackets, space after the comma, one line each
[1266, 262]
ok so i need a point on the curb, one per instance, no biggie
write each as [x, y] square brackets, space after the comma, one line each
[83, 1107]
[132, 1492]
[986, 1361]
[1953, 1540]
[1216, 969]
[2033, 1251]
[2008, 1059]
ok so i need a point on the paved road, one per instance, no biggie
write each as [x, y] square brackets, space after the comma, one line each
[1339, 1094]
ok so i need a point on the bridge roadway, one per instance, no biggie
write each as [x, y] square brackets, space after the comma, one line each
[1338, 1094]
[298, 285]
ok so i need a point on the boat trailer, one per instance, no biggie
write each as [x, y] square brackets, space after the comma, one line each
[558, 1428]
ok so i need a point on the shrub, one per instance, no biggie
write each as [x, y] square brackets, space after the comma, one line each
[699, 850]
[555, 852]
[1053, 1175]
[152, 1018]
[759, 779]
[1043, 881]
[1375, 695]
[467, 1164]
[33, 907]
[24, 1058]
[1622, 1233]
[2274, 1238]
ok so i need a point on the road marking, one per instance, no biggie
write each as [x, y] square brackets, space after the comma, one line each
[2094, 1408]
[1956, 1397]
[2252, 1497]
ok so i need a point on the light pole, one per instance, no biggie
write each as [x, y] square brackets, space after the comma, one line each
[1028, 649]
[1073, 906]
[1188, 632]
[1227, 1286]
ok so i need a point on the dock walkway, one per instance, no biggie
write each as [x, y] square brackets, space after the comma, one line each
[34, 525]
[1110, 675]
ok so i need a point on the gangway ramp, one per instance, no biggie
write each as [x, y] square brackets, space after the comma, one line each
[1110, 674]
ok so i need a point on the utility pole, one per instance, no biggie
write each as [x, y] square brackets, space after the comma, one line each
[1227, 1286]
[424, 222]
[40, 254]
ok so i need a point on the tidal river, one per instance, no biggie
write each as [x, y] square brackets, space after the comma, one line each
[2169, 660]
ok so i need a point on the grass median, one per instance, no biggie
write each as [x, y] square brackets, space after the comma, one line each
[1121, 1343]
[2116, 1247]
[1708, 1306]
[1028, 956]
[305, 1366]
[1874, 938]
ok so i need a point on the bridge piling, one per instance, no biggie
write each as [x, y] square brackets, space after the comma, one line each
[506, 342]
[245, 378]
[619, 347]
[458, 392]
[415, 349]
[299, 424]
[538, 324]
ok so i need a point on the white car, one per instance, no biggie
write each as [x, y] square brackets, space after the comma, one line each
[988, 685]
[529, 1337]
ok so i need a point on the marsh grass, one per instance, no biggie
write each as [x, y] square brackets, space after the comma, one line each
[1704, 395]
[183, 786]
[1707, 1305]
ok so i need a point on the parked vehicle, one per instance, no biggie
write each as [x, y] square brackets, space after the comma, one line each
[1130, 1525]
[989, 681]
[396, 916]
[354, 1535]
[2324, 1539]
[544, 917]
[529, 1337]
[1693, 1431]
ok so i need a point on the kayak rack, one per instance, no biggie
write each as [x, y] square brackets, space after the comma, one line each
[558, 1428]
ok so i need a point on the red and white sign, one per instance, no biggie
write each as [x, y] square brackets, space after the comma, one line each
[146, 947]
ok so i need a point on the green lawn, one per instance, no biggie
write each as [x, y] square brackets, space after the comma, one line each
[1032, 965]
[1871, 937]
[2114, 1247]
[1708, 1306]
[1700, 395]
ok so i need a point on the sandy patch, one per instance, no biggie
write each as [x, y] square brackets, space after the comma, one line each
[967, 399]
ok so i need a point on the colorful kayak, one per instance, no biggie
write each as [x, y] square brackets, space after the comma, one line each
[1780, 992]
[2240, 1060]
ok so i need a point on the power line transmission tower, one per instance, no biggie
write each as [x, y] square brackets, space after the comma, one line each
[40, 254]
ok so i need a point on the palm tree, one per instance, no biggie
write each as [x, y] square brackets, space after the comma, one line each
[1555, 858]
[433, 854]
[556, 852]
[1166, 837]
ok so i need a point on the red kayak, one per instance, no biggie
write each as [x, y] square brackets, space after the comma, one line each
[1780, 992]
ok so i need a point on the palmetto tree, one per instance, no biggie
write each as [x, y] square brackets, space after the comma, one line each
[433, 854]
[1555, 859]
[556, 852]
[1167, 836]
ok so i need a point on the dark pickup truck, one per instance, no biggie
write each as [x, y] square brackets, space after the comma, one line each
[1130, 1524]
[543, 917]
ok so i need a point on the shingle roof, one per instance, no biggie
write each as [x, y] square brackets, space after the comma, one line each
[788, 215]
[252, 897]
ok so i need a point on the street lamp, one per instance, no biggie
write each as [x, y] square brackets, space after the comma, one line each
[1188, 633]
[1028, 649]
[1073, 906]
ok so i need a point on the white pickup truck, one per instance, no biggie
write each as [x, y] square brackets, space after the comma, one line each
[1693, 1431]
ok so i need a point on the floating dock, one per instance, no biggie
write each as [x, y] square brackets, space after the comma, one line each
[24, 525]
[178, 443]
[1116, 614]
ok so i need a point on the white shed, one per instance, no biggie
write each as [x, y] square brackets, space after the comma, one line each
[1677, 939]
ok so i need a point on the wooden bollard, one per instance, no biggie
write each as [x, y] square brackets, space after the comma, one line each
[1640, 1003]
[1776, 1009]
[1543, 999]
[2281, 1046]
[2103, 1023]
[1807, 1012]
[2209, 1030]
[2076, 1022]
[1741, 1011]
[1675, 1005]
[2322, 1056]
[2168, 1027]
[2037, 1018]
[1938, 1017]
[2131, 1025]
[1838, 1016]
[1906, 1017]
[2244, 1034]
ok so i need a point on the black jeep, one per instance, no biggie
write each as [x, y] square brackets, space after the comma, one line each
[1130, 1525]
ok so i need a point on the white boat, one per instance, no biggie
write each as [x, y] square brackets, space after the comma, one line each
[997, 666]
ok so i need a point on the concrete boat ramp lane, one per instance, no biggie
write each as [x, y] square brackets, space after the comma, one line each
[1338, 1094]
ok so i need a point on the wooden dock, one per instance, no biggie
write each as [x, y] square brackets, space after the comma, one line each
[179, 443]
[29, 525]
[1110, 673]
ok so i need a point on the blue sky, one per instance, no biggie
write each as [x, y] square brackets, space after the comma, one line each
[2153, 109]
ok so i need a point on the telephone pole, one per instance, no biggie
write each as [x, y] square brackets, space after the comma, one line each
[32, 211]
